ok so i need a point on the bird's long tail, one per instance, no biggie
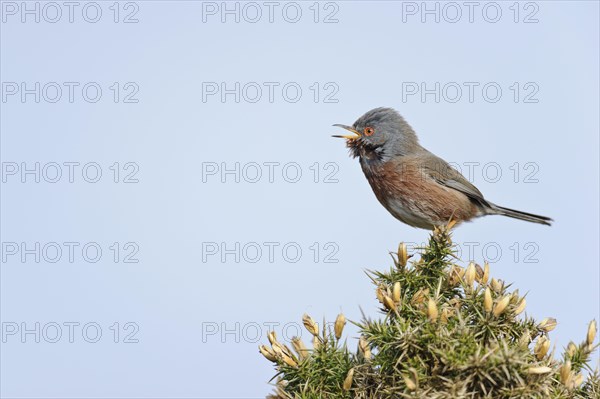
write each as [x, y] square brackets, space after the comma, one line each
[529, 217]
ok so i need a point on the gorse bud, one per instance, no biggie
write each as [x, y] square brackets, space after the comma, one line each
[445, 314]
[470, 274]
[565, 372]
[487, 300]
[300, 348]
[338, 327]
[402, 255]
[455, 274]
[348, 380]
[277, 349]
[389, 303]
[420, 296]
[380, 292]
[310, 325]
[282, 350]
[541, 348]
[501, 306]
[283, 383]
[455, 303]
[525, 339]
[591, 333]
[272, 337]
[432, 310]
[289, 361]
[486, 273]
[548, 324]
[478, 273]
[497, 285]
[284, 354]
[316, 342]
[267, 353]
[520, 307]
[571, 349]
[578, 380]
[363, 348]
[539, 370]
[410, 384]
[396, 292]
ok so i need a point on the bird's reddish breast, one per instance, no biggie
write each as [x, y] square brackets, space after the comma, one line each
[404, 182]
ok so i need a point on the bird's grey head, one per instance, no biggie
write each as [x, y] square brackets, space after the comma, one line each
[380, 134]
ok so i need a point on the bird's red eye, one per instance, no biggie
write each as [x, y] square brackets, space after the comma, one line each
[369, 131]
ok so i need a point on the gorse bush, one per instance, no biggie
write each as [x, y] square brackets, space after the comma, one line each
[446, 332]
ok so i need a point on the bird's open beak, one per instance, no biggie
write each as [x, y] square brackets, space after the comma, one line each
[353, 135]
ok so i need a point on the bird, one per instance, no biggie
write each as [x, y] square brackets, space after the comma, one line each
[417, 187]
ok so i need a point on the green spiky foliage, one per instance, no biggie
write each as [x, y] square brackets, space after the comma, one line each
[447, 332]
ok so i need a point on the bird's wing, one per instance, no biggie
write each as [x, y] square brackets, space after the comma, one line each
[440, 171]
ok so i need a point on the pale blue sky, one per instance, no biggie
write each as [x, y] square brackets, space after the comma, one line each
[183, 301]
